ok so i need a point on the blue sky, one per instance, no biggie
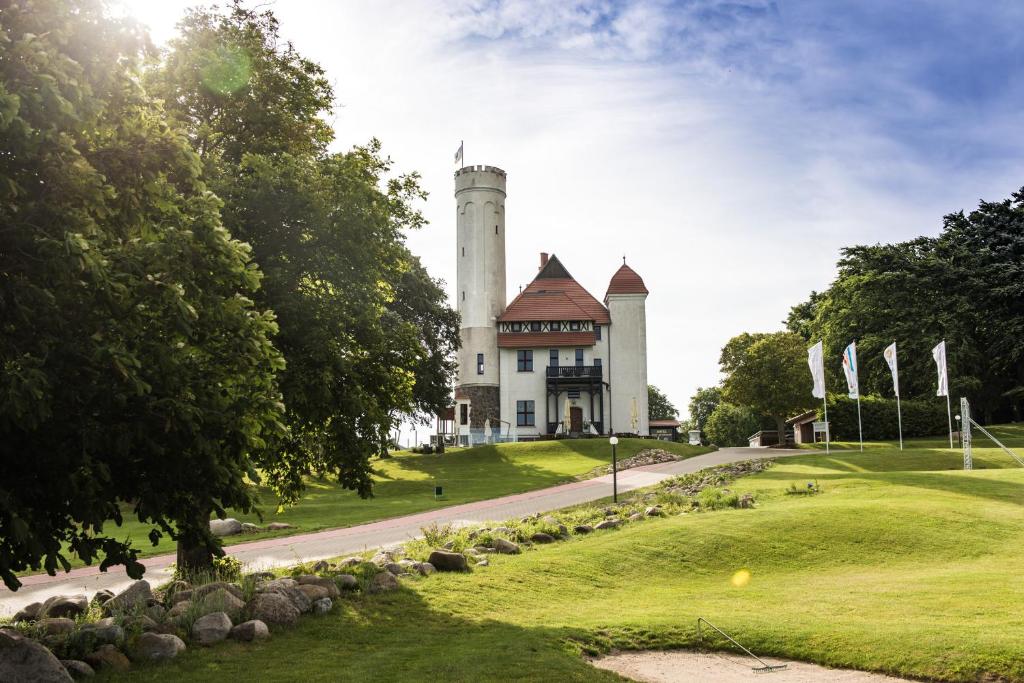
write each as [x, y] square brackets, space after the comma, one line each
[729, 149]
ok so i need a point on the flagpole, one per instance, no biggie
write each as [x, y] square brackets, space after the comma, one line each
[860, 427]
[945, 374]
[899, 418]
[828, 436]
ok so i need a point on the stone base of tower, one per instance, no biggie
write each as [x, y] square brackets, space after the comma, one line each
[484, 404]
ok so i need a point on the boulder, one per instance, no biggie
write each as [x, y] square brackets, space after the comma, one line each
[28, 612]
[384, 582]
[350, 562]
[132, 599]
[249, 631]
[582, 529]
[424, 568]
[156, 612]
[382, 558]
[211, 628]
[23, 660]
[551, 521]
[78, 669]
[636, 517]
[105, 631]
[321, 566]
[221, 600]
[289, 591]
[653, 511]
[483, 563]
[101, 598]
[273, 608]
[63, 606]
[278, 583]
[250, 528]
[322, 581]
[56, 626]
[346, 582]
[179, 596]
[445, 561]
[157, 647]
[506, 547]
[472, 552]
[263, 576]
[225, 527]
[201, 592]
[278, 526]
[322, 606]
[313, 592]
[108, 657]
[178, 612]
[608, 524]
[541, 537]
[394, 568]
[501, 530]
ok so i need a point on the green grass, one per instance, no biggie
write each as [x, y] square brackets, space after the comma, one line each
[901, 564]
[404, 484]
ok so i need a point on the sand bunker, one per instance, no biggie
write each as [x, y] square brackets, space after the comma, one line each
[691, 667]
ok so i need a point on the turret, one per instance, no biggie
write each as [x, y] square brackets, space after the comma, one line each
[480, 286]
[626, 300]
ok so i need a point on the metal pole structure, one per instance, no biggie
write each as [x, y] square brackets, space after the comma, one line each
[965, 432]
[860, 427]
[828, 427]
[899, 419]
[949, 416]
[615, 470]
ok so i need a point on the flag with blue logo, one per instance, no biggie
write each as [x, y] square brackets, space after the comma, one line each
[850, 368]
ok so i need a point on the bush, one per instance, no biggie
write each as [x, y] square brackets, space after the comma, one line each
[878, 415]
[730, 425]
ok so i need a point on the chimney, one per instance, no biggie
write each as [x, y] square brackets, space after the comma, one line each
[543, 259]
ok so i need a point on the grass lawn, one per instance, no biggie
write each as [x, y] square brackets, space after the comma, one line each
[901, 564]
[404, 484]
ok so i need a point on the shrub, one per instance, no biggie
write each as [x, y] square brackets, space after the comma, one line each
[730, 425]
[878, 415]
[713, 498]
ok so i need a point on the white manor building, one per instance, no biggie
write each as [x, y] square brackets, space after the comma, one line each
[555, 360]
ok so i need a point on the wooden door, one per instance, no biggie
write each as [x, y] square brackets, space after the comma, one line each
[576, 419]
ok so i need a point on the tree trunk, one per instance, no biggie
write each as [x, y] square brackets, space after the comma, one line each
[780, 426]
[195, 557]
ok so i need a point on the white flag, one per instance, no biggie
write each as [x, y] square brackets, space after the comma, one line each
[816, 361]
[458, 154]
[890, 358]
[850, 368]
[939, 354]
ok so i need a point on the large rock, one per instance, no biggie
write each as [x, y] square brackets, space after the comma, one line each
[135, 598]
[278, 526]
[506, 547]
[221, 600]
[102, 597]
[179, 596]
[28, 612]
[63, 606]
[78, 669]
[177, 613]
[157, 647]
[250, 528]
[541, 537]
[23, 660]
[211, 628]
[200, 592]
[108, 657]
[582, 529]
[313, 592]
[56, 626]
[225, 527]
[322, 581]
[248, 631]
[346, 582]
[445, 561]
[140, 623]
[321, 566]
[394, 568]
[273, 608]
[608, 524]
[383, 583]
[105, 631]
[322, 606]
[424, 568]
[353, 561]
[289, 589]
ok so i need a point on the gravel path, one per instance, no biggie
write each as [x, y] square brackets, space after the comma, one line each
[291, 550]
[691, 667]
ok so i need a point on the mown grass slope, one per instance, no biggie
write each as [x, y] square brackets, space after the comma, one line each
[912, 571]
[404, 484]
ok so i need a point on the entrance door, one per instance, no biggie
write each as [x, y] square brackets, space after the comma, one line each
[576, 420]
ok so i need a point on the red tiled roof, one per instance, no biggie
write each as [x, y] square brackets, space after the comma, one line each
[626, 281]
[526, 340]
[555, 295]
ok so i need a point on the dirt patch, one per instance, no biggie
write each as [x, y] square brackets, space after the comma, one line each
[686, 667]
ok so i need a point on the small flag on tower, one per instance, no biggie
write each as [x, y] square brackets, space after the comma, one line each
[458, 153]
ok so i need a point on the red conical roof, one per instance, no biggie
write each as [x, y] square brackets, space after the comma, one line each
[626, 281]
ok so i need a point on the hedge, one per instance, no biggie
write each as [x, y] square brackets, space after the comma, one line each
[920, 417]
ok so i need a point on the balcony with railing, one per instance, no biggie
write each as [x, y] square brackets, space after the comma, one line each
[574, 372]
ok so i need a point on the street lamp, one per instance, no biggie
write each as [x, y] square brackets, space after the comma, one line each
[615, 470]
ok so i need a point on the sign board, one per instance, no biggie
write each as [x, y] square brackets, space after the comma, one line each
[438, 492]
[820, 427]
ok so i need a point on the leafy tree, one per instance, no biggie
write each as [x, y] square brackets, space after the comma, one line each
[136, 370]
[703, 403]
[730, 425]
[366, 333]
[767, 373]
[658, 405]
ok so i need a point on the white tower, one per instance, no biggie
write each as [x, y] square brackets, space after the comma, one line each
[627, 351]
[480, 288]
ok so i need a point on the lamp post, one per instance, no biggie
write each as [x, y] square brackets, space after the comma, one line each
[615, 470]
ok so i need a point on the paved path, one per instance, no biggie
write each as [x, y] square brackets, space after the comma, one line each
[290, 550]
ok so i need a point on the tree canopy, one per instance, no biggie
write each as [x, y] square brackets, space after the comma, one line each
[658, 405]
[702, 404]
